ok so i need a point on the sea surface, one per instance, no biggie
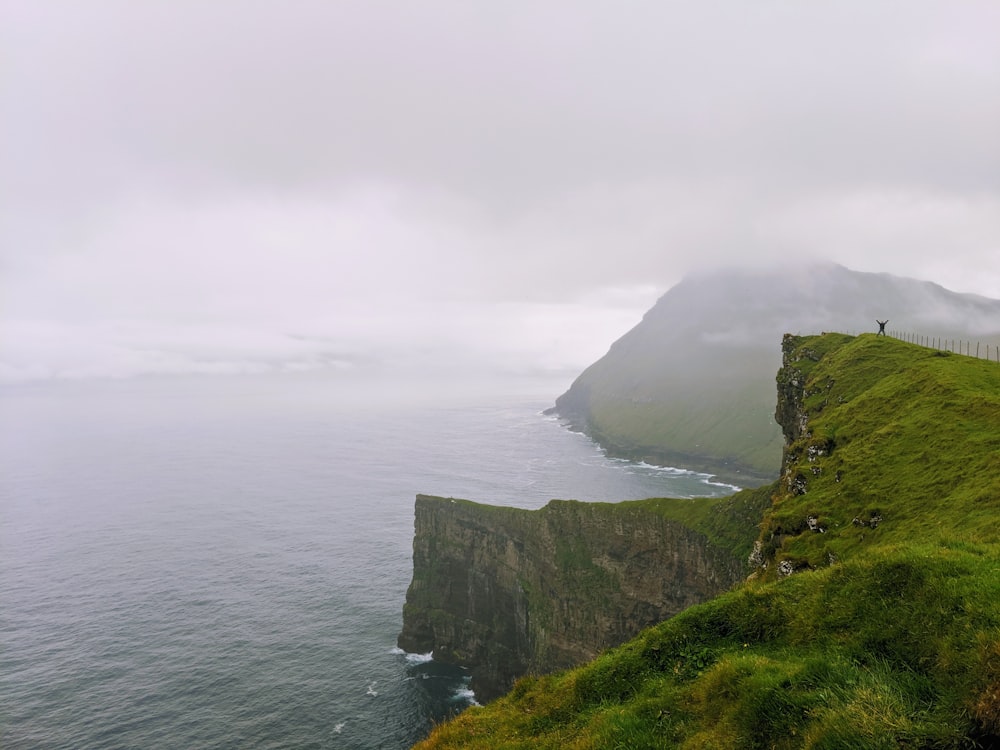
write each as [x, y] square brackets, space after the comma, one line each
[221, 562]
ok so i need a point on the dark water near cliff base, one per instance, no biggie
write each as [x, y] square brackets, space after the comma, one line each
[222, 562]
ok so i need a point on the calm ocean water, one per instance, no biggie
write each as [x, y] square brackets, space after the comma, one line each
[222, 562]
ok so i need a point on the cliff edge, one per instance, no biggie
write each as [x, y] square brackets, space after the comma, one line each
[508, 592]
[872, 617]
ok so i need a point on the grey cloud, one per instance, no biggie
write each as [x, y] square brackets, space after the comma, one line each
[505, 100]
[404, 178]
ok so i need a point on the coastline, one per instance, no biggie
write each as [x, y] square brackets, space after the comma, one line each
[718, 471]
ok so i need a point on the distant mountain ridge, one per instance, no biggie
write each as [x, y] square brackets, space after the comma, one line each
[693, 383]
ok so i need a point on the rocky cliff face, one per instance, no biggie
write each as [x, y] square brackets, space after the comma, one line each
[507, 592]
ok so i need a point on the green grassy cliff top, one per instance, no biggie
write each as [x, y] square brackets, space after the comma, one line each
[887, 632]
[901, 445]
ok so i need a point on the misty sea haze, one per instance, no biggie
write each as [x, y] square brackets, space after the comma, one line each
[222, 562]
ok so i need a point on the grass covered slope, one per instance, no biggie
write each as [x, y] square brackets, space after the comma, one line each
[729, 523]
[888, 632]
[693, 383]
[895, 433]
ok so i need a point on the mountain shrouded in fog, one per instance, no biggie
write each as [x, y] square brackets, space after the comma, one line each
[693, 383]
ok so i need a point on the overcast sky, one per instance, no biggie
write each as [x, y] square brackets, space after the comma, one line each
[245, 185]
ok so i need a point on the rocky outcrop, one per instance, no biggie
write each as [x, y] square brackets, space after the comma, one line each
[789, 412]
[508, 592]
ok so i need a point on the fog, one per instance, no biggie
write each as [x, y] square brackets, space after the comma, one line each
[227, 187]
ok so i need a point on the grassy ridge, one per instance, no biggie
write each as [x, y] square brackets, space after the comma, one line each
[703, 431]
[898, 433]
[725, 425]
[889, 633]
[898, 649]
[729, 522]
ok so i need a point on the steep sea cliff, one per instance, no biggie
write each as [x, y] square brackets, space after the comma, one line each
[872, 614]
[507, 592]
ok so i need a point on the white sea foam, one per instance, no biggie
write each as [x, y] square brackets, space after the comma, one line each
[705, 478]
[466, 694]
[733, 487]
[412, 658]
[419, 658]
[671, 470]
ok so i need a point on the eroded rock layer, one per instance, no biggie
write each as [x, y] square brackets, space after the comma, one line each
[507, 592]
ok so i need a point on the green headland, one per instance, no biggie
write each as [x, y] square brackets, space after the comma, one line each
[870, 614]
[692, 384]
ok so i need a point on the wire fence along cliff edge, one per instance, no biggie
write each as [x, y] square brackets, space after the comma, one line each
[988, 351]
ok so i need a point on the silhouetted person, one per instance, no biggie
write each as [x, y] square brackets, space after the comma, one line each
[881, 327]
